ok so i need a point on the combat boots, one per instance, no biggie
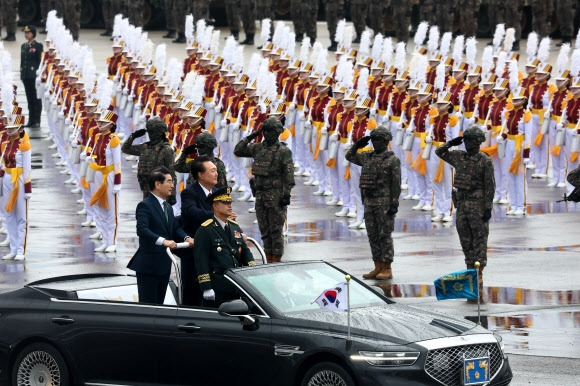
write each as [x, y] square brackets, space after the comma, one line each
[11, 37]
[372, 274]
[236, 35]
[276, 258]
[249, 40]
[170, 34]
[269, 258]
[386, 272]
[180, 38]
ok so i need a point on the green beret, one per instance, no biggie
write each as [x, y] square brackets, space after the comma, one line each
[381, 132]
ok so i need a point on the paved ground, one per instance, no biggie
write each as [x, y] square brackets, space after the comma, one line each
[531, 279]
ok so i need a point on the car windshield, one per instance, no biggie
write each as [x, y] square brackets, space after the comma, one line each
[294, 288]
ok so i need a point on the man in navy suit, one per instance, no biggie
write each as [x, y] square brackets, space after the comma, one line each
[195, 209]
[157, 229]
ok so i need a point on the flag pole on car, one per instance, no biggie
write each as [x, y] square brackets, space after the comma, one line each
[477, 264]
[347, 277]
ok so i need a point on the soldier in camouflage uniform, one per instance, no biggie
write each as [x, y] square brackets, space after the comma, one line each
[304, 13]
[359, 10]
[427, 11]
[200, 9]
[402, 19]
[135, 12]
[468, 11]
[273, 171]
[169, 7]
[377, 10]
[565, 14]
[445, 10]
[153, 154]
[204, 145]
[180, 8]
[514, 11]
[542, 16]
[110, 8]
[9, 12]
[474, 187]
[380, 185]
[333, 10]
[70, 11]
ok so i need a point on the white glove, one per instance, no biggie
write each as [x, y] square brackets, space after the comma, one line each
[305, 110]
[27, 195]
[236, 126]
[373, 112]
[210, 105]
[308, 124]
[60, 114]
[209, 294]
[67, 121]
[116, 189]
[74, 144]
[83, 156]
[324, 130]
[334, 137]
[218, 109]
[292, 107]
[428, 139]
[408, 130]
[223, 123]
[559, 126]
[499, 138]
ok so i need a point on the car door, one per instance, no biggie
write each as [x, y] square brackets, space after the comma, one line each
[206, 348]
[109, 342]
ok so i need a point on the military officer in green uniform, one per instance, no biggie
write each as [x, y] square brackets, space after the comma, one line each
[219, 245]
[30, 56]
[273, 171]
[203, 145]
[380, 185]
[473, 191]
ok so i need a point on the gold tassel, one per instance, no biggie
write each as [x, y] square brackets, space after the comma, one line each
[556, 150]
[293, 130]
[419, 165]
[409, 157]
[538, 140]
[439, 175]
[181, 186]
[84, 183]
[574, 157]
[100, 197]
[490, 151]
[516, 161]
[331, 163]
[211, 128]
[13, 198]
[347, 173]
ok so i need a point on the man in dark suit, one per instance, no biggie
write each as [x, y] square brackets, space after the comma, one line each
[195, 209]
[157, 229]
[30, 56]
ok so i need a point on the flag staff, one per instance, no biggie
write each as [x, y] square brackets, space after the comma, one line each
[347, 277]
[478, 295]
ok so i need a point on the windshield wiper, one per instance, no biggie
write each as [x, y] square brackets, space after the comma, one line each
[448, 325]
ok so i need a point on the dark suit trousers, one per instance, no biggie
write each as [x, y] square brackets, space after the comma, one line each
[152, 288]
[34, 104]
[191, 291]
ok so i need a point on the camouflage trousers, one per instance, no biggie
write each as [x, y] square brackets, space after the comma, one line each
[445, 12]
[244, 11]
[333, 9]
[427, 12]
[541, 12]
[9, 10]
[135, 12]
[70, 11]
[169, 6]
[271, 219]
[472, 231]
[467, 20]
[303, 13]
[358, 13]
[380, 226]
[264, 10]
[495, 13]
[377, 16]
[110, 9]
[565, 14]
[180, 9]
[514, 11]
[200, 9]
[402, 19]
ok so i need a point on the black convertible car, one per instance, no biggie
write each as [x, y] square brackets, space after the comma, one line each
[89, 330]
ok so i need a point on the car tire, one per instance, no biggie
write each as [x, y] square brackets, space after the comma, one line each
[40, 363]
[327, 374]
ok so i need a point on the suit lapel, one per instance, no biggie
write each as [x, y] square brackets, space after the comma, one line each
[153, 202]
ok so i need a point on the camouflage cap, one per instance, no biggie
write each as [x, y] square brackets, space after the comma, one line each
[273, 124]
[381, 132]
[474, 132]
[207, 140]
[156, 125]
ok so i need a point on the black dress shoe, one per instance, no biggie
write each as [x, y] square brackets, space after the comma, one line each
[333, 47]
[299, 38]
[43, 32]
[107, 33]
[180, 38]
[236, 35]
[169, 35]
[35, 126]
[249, 40]
[357, 40]
[10, 38]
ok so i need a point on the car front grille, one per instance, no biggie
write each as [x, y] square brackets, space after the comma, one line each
[446, 365]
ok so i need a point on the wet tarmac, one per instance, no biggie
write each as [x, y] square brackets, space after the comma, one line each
[531, 279]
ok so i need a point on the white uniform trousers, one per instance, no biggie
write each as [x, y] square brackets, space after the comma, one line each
[539, 154]
[300, 147]
[319, 165]
[334, 178]
[423, 186]
[441, 190]
[107, 219]
[517, 186]
[558, 161]
[343, 183]
[17, 219]
[398, 150]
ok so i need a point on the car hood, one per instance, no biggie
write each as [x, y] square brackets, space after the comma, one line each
[394, 323]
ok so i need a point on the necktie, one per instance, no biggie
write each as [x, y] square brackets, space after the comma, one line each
[227, 229]
[166, 210]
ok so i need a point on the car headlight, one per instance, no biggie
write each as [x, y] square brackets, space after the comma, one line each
[405, 358]
[499, 341]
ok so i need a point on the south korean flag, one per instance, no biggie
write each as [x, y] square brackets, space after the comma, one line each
[333, 299]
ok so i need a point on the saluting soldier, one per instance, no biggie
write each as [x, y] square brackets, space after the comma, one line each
[380, 185]
[273, 171]
[30, 56]
[219, 245]
[204, 144]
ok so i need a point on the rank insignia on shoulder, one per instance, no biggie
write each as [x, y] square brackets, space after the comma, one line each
[207, 222]
[233, 222]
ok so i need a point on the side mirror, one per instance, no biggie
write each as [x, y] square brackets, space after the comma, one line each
[237, 308]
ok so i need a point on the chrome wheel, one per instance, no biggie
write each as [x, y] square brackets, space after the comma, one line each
[326, 378]
[38, 368]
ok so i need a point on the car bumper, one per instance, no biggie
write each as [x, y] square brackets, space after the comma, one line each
[414, 375]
